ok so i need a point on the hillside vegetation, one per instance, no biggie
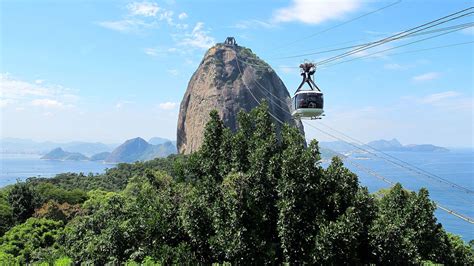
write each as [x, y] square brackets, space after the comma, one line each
[244, 197]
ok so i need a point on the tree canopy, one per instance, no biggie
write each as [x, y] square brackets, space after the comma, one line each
[246, 197]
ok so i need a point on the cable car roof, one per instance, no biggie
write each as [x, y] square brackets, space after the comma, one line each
[308, 92]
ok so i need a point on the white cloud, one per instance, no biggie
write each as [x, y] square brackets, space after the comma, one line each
[468, 31]
[446, 101]
[121, 104]
[198, 38]
[168, 17]
[47, 103]
[151, 51]
[173, 72]
[287, 69]
[167, 106]
[142, 16]
[427, 76]
[126, 25]
[5, 102]
[253, 24]
[315, 12]
[16, 91]
[161, 51]
[183, 15]
[146, 9]
[438, 97]
[393, 66]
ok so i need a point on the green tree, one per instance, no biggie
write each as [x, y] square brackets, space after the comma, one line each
[210, 150]
[23, 201]
[153, 224]
[23, 240]
[406, 230]
[344, 241]
[299, 195]
[339, 186]
[6, 213]
[196, 216]
[100, 235]
[240, 151]
[238, 223]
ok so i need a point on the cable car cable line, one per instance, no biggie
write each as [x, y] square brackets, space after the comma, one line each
[455, 28]
[433, 48]
[390, 182]
[401, 35]
[392, 48]
[463, 26]
[395, 158]
[453, 185]
[338, 25]
[415, 170]
[449, 211]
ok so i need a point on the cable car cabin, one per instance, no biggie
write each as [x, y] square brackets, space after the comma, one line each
[308, 105]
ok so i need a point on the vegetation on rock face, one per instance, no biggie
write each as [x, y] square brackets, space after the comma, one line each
[244, 197]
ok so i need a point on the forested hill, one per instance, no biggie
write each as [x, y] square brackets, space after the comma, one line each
[244, 197]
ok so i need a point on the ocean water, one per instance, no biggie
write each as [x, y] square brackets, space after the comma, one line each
[15, 167]
[456, 166]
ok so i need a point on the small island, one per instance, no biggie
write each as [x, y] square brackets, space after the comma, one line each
[60, 154]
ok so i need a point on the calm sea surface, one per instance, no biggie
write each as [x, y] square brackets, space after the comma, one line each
[13, 167]
[455, 166]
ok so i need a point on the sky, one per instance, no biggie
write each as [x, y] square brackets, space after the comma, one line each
[114, 70]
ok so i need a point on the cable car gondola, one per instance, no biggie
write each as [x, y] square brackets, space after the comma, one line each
[308, 104]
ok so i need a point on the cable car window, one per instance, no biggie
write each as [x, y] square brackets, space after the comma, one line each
[309, 100]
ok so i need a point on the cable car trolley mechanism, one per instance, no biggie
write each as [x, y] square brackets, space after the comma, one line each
[307, 104]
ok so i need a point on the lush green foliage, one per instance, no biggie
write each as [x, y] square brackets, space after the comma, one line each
[31, 240]
[246, 197]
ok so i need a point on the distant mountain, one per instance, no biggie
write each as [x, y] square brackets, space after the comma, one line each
[138, 149]
[161, 150]
[425, 148]
[381, 145]
[157, 141]
[130, 151]
[88, 148]
[60, 154]
[26, 146]
[386, 145]
[100, 156]
[395, 145]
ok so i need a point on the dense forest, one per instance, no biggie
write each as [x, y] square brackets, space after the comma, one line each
[246, 197]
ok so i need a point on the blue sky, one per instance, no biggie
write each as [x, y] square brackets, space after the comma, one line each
[113, 70]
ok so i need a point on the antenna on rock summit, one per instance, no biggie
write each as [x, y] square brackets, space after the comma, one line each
[230, 41]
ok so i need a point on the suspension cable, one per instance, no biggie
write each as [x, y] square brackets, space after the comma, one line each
[394, 160]
[338, 25]
[403, 34]
[449, 211]
[390, 182]
[399, 46]
[313, 52]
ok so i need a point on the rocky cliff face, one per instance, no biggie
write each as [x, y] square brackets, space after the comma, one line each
[228, 79]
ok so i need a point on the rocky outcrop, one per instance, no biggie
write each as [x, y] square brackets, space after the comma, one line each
[230, 78]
